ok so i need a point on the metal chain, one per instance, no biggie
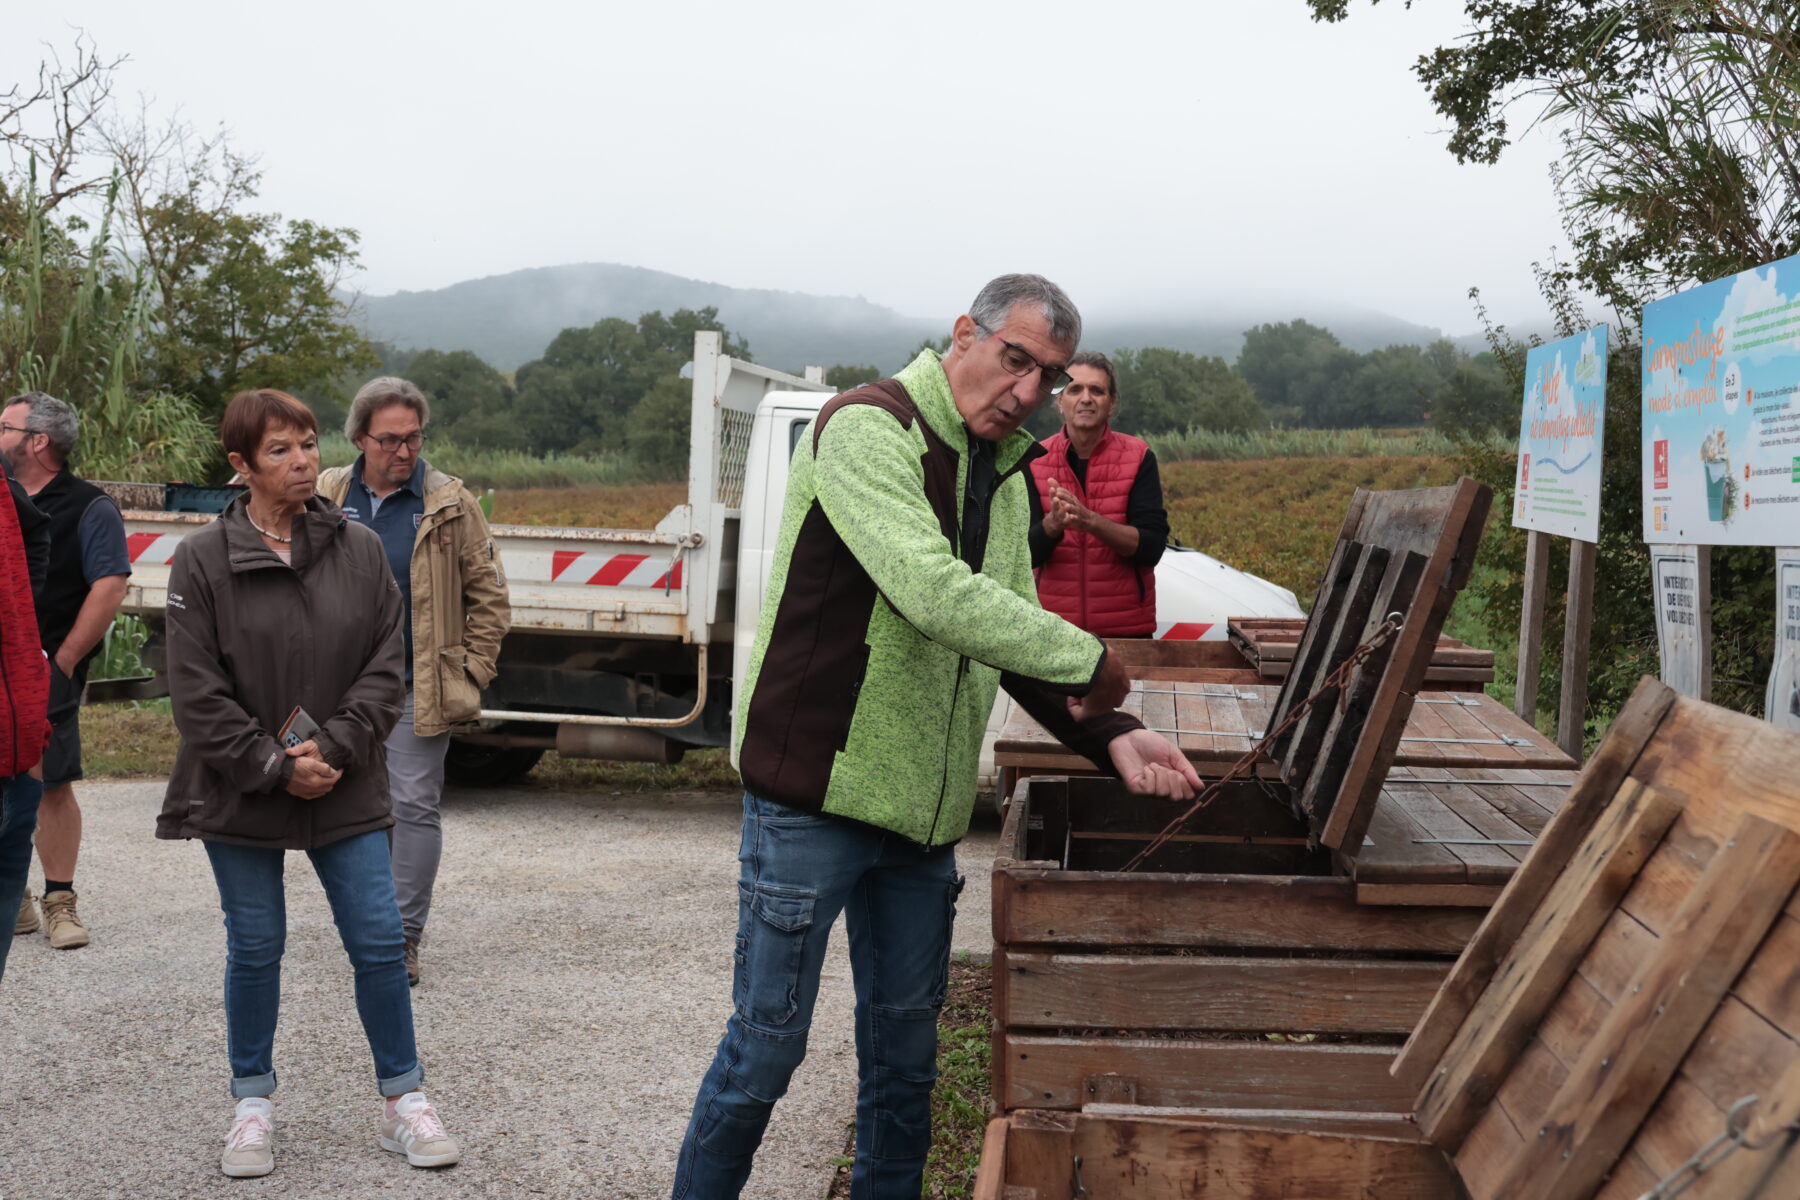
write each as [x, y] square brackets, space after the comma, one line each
[1734, 1137]
[1339, 679]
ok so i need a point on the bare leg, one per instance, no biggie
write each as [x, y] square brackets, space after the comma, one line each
[59, 832]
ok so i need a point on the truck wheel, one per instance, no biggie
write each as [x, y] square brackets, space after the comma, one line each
[469, 765]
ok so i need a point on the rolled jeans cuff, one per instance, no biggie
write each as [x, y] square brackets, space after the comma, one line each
[253, 1085]
[399, 1085]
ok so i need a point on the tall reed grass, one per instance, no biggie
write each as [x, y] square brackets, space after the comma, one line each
[1212, 445]
[484, 468]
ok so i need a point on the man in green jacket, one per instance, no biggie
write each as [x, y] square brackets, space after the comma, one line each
[901, 596]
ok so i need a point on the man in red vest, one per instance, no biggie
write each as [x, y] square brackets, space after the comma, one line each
[1098, 523]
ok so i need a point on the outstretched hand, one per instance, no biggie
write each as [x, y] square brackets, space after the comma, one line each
[1151, 765]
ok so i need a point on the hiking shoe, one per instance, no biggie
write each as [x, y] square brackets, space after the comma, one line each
[61, 925]
[412, 962]
[250, 1146]
[27, 920]
[416, 1131]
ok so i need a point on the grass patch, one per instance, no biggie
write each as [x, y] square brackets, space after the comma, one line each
[1213, 445]
[636, 506]
[960, 1105]
[127, 741]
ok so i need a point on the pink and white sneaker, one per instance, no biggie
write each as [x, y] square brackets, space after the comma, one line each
[412, 1127]
[250, 1146]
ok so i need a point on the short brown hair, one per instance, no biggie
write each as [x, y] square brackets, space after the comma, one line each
[1093, 358]
[251, 414]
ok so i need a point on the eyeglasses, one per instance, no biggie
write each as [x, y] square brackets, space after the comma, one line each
[390, 443]
[5, 428]
[1017, 360]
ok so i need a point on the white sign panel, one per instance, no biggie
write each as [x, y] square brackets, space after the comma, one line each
[1678, 617]
[1557, 483]
[1781, 703]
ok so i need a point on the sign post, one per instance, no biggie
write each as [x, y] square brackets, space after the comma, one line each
[1721, 452]
[1557, 492]
[1781, 703]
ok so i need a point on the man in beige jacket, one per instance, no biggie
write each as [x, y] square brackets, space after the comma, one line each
[449, 572]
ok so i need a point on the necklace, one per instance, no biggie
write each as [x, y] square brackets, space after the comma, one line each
[273, 537]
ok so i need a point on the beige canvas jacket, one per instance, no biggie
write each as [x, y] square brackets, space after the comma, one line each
[460, 610]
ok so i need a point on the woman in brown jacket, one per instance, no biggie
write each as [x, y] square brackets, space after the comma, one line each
[283, 613]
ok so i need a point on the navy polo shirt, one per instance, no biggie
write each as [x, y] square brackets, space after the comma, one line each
[395, 518]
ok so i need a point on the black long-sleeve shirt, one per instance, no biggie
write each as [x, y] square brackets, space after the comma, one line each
[1144, 512]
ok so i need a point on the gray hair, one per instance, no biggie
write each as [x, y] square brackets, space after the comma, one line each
[997, 300]
[378, 394]
[50, 416]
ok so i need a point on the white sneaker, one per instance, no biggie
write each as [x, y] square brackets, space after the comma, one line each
[250, 1146]
[416, 1131]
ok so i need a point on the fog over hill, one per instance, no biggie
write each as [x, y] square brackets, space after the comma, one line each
[509, 319]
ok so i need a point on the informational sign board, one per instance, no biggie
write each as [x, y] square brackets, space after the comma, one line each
[1680, 617]
[1721, 454]
[1781, 703]
[1557, 488]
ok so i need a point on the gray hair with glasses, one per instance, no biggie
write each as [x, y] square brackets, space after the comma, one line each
[53, 418]
[378, 394]
[996, 301]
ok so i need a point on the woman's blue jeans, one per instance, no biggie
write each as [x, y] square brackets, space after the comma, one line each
[359, 884]
[19, 796]
[797, 873]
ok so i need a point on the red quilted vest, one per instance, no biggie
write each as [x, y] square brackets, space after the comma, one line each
[24, 671]
[1085, 581]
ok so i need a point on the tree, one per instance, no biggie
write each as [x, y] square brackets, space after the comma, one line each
[460, 386]
[1162, 391]
[1296, 369]
[657, 428]
[843, 377]
[577, 396]
[1388, 387]
[1680, 164]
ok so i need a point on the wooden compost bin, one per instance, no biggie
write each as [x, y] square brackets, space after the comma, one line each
[1637, 984]
[1238, 969]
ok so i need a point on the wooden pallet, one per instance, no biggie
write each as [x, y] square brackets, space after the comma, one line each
[1639, 978]
[1268, 646]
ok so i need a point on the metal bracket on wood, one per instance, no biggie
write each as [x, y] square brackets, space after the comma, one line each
[1502, 740]
[1227, 694]
[1249, 734]
[1473, 842]
[1459, 701]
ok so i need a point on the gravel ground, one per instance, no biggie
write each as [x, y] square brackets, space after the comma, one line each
[576, 982]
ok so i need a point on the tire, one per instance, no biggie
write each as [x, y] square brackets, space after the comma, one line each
[467, 765]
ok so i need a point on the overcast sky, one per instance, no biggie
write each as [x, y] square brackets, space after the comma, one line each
[1210, 153]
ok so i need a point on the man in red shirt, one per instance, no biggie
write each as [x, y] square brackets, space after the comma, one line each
[24, 688]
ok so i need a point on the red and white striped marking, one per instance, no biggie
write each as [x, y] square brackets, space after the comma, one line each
[1183, 631]
[151, 548]
[613, 570]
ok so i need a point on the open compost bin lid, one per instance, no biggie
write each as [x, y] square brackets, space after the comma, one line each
[1402, 552]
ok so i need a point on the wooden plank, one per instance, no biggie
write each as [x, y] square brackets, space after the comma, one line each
[990, 1172]
[1392, 852]
[1771, 985]
[1485, 819]
[1485, 864]
[1258, 995]
[1313, 638]
[1048, 1072]
[1673, 994]
[1469, 895]
[1571, 721]
[1149, 1158]
[1485, 1157]
[1039, 1156]
[1531, 623]
[1625, 742]
[1342, 624]
[1540, 962]
[1219, 911]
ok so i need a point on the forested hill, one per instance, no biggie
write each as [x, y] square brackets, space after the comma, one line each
[509, 319]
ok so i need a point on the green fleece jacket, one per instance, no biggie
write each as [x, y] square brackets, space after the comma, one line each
[890, 618]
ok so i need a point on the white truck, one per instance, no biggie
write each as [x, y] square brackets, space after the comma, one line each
[625, 642]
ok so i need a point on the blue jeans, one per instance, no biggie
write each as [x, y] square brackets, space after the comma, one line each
[899, 900]
[18, 819]
[360, 887]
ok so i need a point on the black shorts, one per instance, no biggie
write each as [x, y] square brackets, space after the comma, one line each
[62, 755]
